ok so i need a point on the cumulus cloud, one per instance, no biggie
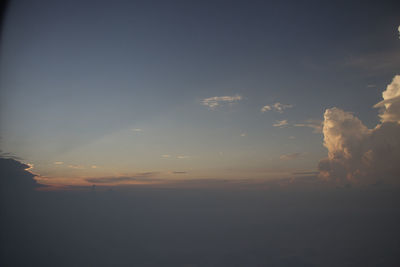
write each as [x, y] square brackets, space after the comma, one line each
[278, 107]
[398, 29]
[357, 154]
[390, 105]
[316, 125]
[213, 102]
[280, 123]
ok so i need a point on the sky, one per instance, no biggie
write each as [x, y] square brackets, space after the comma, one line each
[96, 92]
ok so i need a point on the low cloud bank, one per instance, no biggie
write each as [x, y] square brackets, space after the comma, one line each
[360, 155]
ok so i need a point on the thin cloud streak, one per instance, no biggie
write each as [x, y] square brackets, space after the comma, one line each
[316, 125]
[213, 102]
[281, 123]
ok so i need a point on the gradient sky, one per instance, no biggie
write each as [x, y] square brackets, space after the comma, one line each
[175, 89]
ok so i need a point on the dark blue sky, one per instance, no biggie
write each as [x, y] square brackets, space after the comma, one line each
[120, 85]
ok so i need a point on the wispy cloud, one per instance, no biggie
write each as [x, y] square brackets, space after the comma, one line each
[179, 172]
[165, 156]
[213, 102]
[280, 123]
[243, 134]
[278, 107]
[137, 130]
[182, 157]
[290, 156]
[144, 176]
[78, 167]
[316, 125]
[58, 163]
[380, 61]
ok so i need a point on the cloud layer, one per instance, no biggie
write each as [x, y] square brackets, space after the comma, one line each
[360, 155]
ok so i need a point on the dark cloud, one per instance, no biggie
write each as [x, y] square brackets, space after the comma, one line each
[15, 177]
[118, 180]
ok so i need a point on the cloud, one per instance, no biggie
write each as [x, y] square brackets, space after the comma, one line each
[78, 167]
[278, 107]
[360, 155]
[177, 172]
[16, 177]
[165, 156]
[398, 29]
[213, 102]
[390, 105]
[290, 156]
[316, 125]
[379, 61]
[137, 130]
[140, 177]
[280, 123]
[58, 163]
[305, 173]
[182, 157]
[243, 134]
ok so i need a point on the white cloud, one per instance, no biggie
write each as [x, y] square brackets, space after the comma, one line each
[213, 102]
[58, 163]
[316, 125]
[278, 107]
[137, 130]
[391, 102]
[290, 156]
[357, 154]
[280, 123]
[266, 108]
[398, 29]
[243, 134]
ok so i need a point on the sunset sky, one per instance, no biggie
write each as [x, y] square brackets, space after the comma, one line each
[132, 91]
